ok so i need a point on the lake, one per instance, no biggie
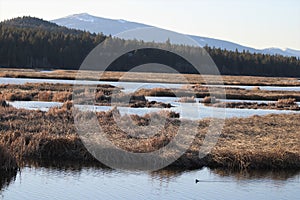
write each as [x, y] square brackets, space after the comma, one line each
[98, 183]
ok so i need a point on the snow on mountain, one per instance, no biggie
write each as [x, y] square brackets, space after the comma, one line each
[292, 51]
[95, 24]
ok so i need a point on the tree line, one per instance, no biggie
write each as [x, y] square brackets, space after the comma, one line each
[28, 42]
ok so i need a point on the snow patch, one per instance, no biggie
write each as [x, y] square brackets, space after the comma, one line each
[122, 21]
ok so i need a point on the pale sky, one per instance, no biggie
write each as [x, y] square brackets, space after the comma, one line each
[254, 23]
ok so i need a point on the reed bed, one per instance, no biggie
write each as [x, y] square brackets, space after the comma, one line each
[258, 142]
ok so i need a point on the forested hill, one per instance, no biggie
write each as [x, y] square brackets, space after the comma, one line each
[36, 23]
[34, 43]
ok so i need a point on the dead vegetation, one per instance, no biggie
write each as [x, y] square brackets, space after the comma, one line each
[101, 95]
[187, 100]
[258, 142]
[8, 163]
[209, 100]
[281, 104]
[151, 77]
[202, 91]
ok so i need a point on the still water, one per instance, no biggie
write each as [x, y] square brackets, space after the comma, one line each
[127, 86]
[184, 109]
[132, 86]
[97, 183]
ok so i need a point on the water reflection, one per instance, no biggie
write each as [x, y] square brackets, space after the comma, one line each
[6, 178]
[276, 175]
[73, 181]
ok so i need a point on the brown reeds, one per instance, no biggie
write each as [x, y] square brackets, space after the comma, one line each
[201, 91]
[7, 161]
[151, 77]
[103, 95]
[258, 142]
[187, 100]
[209, 100]
[3, 103]
[281, 104]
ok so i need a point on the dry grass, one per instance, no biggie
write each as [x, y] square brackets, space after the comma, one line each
[151, 77]
[7, 162]
[258, 142]
[284, 102]
[187, 100]
[281, 104]
[201, 91]
[102, 95]
[3, 103]
[19, 96]
[209, 100]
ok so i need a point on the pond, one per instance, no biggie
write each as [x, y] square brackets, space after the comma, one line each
[98, 183]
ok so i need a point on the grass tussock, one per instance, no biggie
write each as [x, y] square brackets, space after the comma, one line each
[19, 96]
[187, 100]
[209, 100]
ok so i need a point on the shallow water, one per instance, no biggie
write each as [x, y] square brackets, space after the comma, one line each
[34, 105]
[132, 86]
[186, 110]
[128, 86]
[97, 183]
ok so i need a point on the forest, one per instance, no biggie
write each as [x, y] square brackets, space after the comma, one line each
[28, 42]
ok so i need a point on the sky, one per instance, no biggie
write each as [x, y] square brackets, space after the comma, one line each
[254, 23]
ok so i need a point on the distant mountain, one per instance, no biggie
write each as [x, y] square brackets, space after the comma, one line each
[28, 42]
[95, 24]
